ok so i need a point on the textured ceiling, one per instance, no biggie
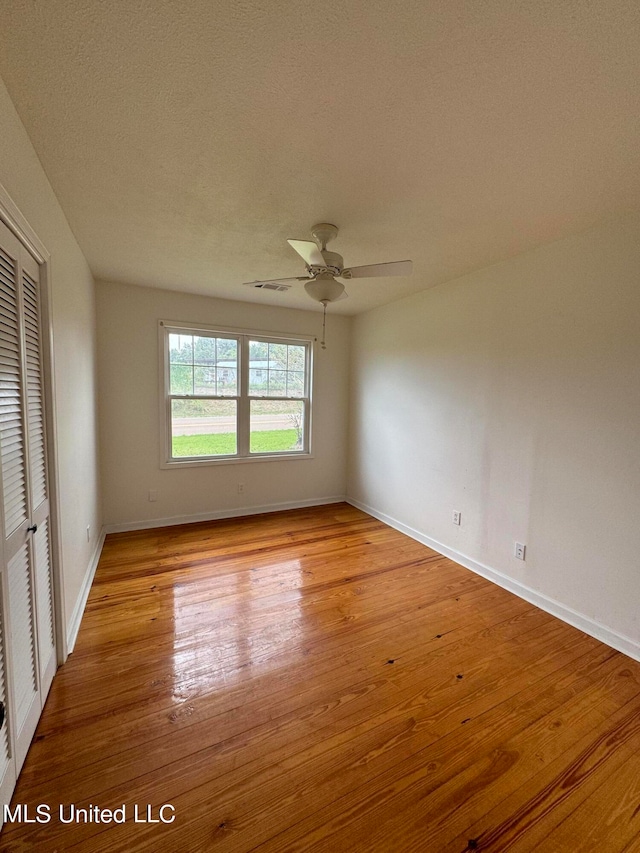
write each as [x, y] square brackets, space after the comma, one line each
[186, 141]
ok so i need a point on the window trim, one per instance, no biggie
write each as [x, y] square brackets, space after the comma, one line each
[165, 328]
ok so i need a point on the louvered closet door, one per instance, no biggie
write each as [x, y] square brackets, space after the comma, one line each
[37, 469]
[27, 637]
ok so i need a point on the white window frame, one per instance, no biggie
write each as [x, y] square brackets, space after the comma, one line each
[243, 398]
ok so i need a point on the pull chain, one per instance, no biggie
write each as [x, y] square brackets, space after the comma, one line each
[324, 322]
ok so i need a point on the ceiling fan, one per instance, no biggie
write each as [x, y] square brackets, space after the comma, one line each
[324, 268]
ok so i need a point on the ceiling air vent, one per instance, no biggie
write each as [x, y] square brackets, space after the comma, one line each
[269, 285]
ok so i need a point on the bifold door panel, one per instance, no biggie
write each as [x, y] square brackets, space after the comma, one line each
[27, 637]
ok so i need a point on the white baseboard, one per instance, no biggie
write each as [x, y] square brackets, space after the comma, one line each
[607, 635]
[236, 512]
[81, 603]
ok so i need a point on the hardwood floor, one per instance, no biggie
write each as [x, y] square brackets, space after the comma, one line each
[316, 681]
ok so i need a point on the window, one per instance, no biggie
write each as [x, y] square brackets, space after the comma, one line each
[230, 395]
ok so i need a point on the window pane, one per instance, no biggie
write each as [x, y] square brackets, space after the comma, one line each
[258, 381]
[277, 426]
[203, 365]
[295, 384]
[277, 383]
[181, 349]
[258, 351]
[276, 370]
[227, 350]
[203, 428]
[278, 356]
[226, 361]
[296, 358]
[181, 379]
[227, 381]
[204, 380]
[204, 351]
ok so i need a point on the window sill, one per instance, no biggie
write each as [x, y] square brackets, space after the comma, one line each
[234, 460]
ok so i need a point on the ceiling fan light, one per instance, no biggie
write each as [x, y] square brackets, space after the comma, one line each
[324, 289]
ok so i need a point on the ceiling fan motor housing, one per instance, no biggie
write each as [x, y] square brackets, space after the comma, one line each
[333, 263]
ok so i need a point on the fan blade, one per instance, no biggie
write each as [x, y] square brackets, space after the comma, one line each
[308, 251]
[278, 280]
[393, 268]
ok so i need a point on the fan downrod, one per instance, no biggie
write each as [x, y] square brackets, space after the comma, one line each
[324, 233]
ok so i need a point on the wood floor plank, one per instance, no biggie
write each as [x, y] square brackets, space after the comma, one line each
[314, 680]
[587, 828]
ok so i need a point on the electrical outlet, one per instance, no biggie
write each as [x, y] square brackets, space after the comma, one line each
[153, 494]
[519, 551]
[88, 533]
[240, 488]
[457, 517]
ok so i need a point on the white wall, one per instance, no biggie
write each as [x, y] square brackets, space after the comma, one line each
[129, 412]
[513, 395]
[74, 346]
